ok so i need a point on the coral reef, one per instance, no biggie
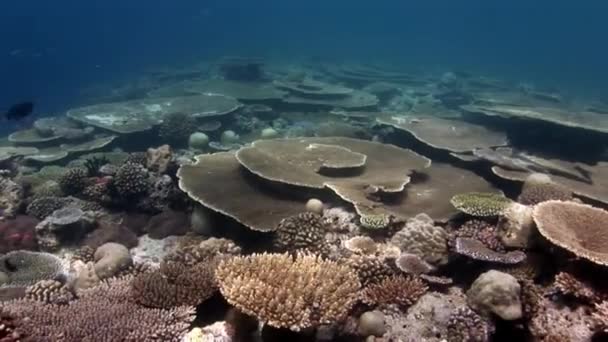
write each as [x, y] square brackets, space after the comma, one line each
[176, 128]
[42, 207]
[204, 252]
[496, 292]
[370, 269]
[174, 285]
[421, 237]
[288, 293]
[481, 204]
[50, 292]
[374, 222]
[159, 159]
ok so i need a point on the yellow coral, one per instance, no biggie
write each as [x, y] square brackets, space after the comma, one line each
[287, 292]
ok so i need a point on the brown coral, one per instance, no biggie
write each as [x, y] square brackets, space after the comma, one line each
[49, 291]
[370, 269]
[400, 290]
[305, 232]
[567, 284]
[578, 228]
[103, 313]
[287, 292]
[173, 285]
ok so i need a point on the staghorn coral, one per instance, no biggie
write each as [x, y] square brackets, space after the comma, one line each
[49, 291]
[305, 232]
[73, 181]
[8, 328]
[421, 237]
[370, 269]
[467, 326]
[24, 268]
[131, 181]
[578, 228]
[482, 231]
[173, 285]
[400, 290]
[481, 203]
[539, 188]
[287, 292]
[103, 313]
[476, 250]
[496, 292]
[568, 285]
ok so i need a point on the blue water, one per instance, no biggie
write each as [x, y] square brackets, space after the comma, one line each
[51, 50]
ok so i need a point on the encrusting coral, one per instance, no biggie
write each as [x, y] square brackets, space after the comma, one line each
[23, 268]
[481, 204]
[398, 290]
[173, 285]
[305, 232]
[421, 237]
[496, 292]
[286, 292]
[103, 313]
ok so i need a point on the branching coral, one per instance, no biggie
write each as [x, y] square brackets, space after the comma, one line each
[50, 291]
[370, 269]
[73, 181]
[286, 292]
[103, 313]
[481, 203]
[400, 290]
[131, 181]
[466, 325]
[305, 231]
[42, 207]
[173, 285]
[567, 284]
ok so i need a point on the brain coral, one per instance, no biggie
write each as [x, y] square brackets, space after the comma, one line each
[421, 237]
[286, 292]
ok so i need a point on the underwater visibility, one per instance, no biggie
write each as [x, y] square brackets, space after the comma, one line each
[235, 171]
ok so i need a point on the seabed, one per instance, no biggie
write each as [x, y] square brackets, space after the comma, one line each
[241, 200]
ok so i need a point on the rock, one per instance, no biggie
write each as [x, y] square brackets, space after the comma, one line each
[314, 206]
[371, 323]
[158, 159]
[110, 258]
[64, 226]
[198, 141]
[516, 226]
[496, 292]
[200, 221]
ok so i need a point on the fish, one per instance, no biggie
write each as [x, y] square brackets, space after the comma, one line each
[19, 111]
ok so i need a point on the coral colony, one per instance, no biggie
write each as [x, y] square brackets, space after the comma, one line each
[319, 202]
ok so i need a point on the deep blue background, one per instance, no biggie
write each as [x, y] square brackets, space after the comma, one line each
[50, 50]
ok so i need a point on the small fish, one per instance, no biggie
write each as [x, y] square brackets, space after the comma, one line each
[19, 111]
